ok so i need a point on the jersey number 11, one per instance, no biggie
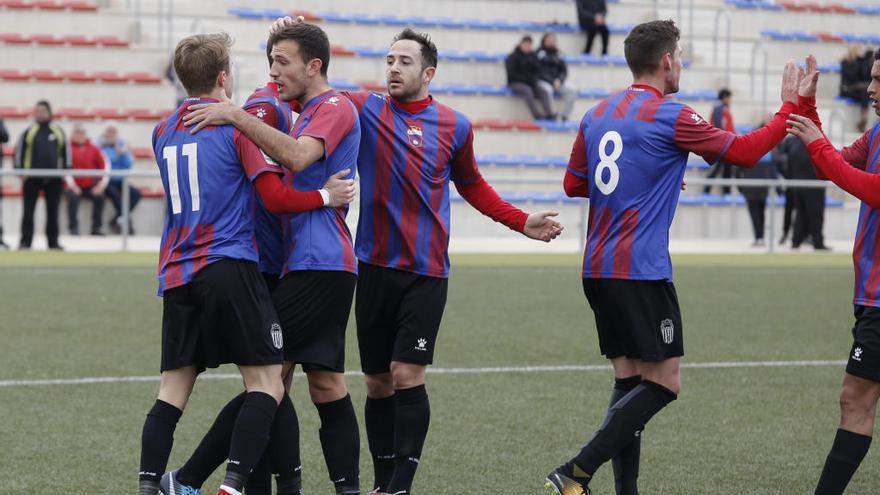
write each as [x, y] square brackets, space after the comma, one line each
[191, 152]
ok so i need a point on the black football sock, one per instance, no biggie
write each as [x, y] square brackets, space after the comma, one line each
[846, 454]
[156, 441]
[626, 462]
[214, 447]
[379, 416]
[624, 421]
[283, 449]
[341, 443]
[260, 480]
[249, 438]
[410, 430]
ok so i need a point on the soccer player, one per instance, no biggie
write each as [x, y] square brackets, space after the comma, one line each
[315, 293]
[216, 305]
[629, 158]
[855, 169]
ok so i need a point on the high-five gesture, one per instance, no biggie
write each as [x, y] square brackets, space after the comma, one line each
[790, 83]
[809, 78]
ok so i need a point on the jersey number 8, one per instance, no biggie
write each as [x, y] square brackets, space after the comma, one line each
[191, 152]
[609, 162]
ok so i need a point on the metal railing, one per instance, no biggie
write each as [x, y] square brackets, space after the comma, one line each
[127, 175]
[757, 48]
[722, 14]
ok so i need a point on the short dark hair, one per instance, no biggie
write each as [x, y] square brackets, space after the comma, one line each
[199, 59]
[877, 54]
[526, 37]
[429, 50]
[724, 93]
[647, 43]
[312, 40]
[44, 103]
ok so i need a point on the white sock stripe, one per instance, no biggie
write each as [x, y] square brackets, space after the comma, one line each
[437, 371]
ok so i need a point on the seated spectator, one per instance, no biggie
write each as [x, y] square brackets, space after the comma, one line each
[85, 156]
[120, 158]
[855, 74]
[553, 73]
[591, 17]
[522, 77]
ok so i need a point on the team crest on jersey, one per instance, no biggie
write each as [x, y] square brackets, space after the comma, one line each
[333, 100]
[277, 336]
[696, 117]
[414, 135]
[667, 331]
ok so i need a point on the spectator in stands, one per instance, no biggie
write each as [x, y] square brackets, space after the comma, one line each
[591, 17]
[855, 74]
[522, 77]
[722, 119]
[43, 145]
[552, 74]
[756, 196]
[809, 203]
[86, 156]
[781, 162]
[118, 153]
[4, 138]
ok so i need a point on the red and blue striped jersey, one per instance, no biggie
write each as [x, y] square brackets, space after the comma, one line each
[632, 148]
[320, 239]
[265, 104]
[209, 196]
[406, 162]
[864, 153]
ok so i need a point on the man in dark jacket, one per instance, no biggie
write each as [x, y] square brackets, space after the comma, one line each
[43, 145]
[722, 119]
[4, 138]
[552, 74]
[591, 17]
[522, 77]
[809, 204]
[756, 196]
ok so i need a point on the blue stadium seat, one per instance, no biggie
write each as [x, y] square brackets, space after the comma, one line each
[366, 19]
[365, 51]
[344, 85]
[833, 67]
[555, 126]
[335, 17]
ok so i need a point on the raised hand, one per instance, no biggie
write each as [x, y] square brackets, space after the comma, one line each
[807, 86]
[790, 83]
[342, 191]
[541, 227]
[803, 128]
[205, 114]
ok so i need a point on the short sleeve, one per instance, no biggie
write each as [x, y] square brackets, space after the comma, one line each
[330, 123]
[694, 134]
[252, 158]
[577, 162]
[463, 169]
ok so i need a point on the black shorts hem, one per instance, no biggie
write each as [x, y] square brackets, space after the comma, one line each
[862, 374]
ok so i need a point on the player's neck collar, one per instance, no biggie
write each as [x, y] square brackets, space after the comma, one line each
[414, 106]
[645, 87]
[318, 97]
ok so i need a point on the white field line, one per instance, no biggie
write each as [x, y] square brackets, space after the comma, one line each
[434, 371]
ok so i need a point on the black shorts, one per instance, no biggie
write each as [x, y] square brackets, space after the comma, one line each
[224, 315]
[398, 316]
[272, 280]
[864, 356]
[314, 306]
[639, 319]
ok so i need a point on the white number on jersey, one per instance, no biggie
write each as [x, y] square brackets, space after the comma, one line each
[191, 152]
[609, 162]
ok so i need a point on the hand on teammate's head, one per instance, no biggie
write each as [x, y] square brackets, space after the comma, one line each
[285, 21]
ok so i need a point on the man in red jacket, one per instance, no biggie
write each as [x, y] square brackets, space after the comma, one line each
[86, 156]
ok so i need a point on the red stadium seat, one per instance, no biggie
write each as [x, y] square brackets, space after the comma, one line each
[81, 6]
[142, 153]
[111, 41]
[45, 75]
[489, 124]
[815, 7]
[79, 40]
[108, 113]
[15, 38]
[14, 113]
[8, 151]
[48, 5]
[16, 4]
[13, 75]
[74, 114]
[524, 125]
[78, 76]
[841, 8]
[308, 16]
[111, 77]
[142, 78]
[372, 85]
[340, 51]
[793, 6]
[47, 39]
[143, 114]
[829, 37]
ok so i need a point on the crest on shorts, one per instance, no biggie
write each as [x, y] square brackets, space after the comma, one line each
[414, 135]
[277, 336]
[667, 331]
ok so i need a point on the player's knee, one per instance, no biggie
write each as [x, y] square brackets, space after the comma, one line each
[379, 385]
[406, 375]
[327, 387]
